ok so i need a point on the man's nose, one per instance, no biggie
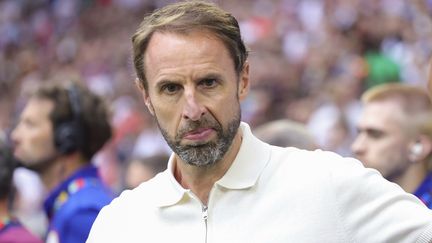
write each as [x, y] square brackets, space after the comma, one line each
[357, 147]
[14, 134]
[193, 108]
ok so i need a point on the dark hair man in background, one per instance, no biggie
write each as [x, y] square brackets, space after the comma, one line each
[222, 183]
[59, 131]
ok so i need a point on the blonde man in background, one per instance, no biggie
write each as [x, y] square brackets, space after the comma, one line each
[395, 136]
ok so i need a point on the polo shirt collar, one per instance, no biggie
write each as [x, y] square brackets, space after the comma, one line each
[165, 190]
[250, 161]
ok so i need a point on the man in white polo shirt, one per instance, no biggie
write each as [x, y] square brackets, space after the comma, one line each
[222, 183]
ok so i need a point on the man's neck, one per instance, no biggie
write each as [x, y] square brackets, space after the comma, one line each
[412, 178]
[200, 180]
[59, 171]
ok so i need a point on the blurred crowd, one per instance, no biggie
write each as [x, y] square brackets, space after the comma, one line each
[310, 62]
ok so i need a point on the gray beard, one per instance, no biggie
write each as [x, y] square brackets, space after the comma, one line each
[206, 154]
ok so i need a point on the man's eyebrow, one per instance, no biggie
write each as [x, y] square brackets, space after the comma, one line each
[163, 82]
[373, 131]
[210, 76]
[368, 130]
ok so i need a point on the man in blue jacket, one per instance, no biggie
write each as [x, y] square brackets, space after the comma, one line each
[59, 131]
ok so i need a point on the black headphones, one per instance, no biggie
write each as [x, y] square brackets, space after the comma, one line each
[68, 135]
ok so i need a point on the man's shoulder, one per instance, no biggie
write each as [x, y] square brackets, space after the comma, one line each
[80, 209]
[93, 196]
[298, 158]
[317, 167]
[133, 205]
[94, 192]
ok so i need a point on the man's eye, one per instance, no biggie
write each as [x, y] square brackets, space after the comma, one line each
[170, 88]
[28, 123]
[208, 83]
[375, 134]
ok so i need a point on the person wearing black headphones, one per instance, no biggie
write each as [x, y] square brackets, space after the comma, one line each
[59, 131]
[395, 136]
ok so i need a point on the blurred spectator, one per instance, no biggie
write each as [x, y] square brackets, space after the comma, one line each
[11, 230]
[395, 137]
[333, 122]
[139, 170]
[28, 200]
[59, 131]
[150, 142]
[286, 133]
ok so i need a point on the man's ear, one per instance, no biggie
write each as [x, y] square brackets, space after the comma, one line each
[149, 105]
[421, 149]
[145, 95]
[244, 83]
[139, 85]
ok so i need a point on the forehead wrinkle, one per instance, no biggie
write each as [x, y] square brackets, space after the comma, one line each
[387, 117]
[204, 53]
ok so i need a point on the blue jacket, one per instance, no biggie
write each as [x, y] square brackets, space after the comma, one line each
[73, 206]
[424, 191]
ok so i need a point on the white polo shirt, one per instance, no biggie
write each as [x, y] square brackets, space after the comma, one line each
[270, 194]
